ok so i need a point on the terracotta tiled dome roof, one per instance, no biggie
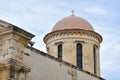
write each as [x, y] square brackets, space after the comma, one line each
[72, 22]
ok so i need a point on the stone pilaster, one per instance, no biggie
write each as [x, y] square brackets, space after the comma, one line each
[13, 41]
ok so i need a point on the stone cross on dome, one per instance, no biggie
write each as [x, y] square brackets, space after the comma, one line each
[72, 12]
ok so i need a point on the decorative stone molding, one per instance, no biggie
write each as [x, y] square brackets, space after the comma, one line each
[97, 46]
[17, 65]
[72, 33]
[76, 41]
[10, 67]
[61, 42]
[14, 29]
[4, 24]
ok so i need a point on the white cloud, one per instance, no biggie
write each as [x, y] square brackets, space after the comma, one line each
[39, 44]
[110, 58]
[109, 51]
[97, 10]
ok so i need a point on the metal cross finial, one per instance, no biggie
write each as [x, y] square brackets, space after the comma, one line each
[72, 12]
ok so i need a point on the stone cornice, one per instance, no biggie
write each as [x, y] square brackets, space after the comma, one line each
[15, 64]
[16, 30]
[4, 24]
[61, 42]
[73, 32]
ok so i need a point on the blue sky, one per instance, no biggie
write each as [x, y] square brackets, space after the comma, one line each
[39, 17]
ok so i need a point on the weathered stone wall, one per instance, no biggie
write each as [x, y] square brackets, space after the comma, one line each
[46, 67]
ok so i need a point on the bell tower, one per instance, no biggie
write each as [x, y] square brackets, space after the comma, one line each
[13, 41]
[74, 40]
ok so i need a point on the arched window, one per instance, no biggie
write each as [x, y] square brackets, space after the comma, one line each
[60, 52]
[94, 57]
[79, 55]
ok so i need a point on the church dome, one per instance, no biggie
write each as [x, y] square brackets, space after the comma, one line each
[72, 22]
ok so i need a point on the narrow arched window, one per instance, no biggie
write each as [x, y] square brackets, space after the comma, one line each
[79, 55]
[60, 52]
[94, 58]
